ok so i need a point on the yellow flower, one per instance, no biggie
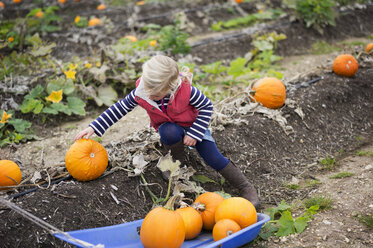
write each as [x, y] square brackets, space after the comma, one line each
[5, 117]
[153, 43]
[77, 19]
[11, 39]
[70, 74]
[55, 96]
[98, 64]
[139, 3]
[73, 66]
[88, 65]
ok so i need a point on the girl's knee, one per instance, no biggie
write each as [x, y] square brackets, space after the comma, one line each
[170, 133]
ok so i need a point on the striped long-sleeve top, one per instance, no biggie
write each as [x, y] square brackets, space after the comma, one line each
[197, 99]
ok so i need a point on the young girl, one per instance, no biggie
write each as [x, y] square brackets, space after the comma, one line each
[181, 115]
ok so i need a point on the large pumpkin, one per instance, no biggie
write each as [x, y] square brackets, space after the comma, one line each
[192, 222]
[223, 228]
[345, 65]
[163, 227]
[86, 160]
[270, 92]
[206, 205]
[238, 209]
[10, 173]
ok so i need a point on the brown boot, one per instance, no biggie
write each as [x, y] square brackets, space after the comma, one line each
[237, 179]
[177, 153]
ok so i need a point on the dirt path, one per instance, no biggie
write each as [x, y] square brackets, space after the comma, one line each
[351, 199]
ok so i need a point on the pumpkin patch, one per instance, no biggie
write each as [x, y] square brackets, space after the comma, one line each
[86, 160]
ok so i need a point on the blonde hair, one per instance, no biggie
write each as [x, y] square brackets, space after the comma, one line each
[161, 75]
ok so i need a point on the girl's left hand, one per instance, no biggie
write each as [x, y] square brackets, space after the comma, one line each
[189, 141]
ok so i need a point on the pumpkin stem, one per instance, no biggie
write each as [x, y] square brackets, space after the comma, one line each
[252, 92]
[229, 232]
[199, 206]
[170, 203]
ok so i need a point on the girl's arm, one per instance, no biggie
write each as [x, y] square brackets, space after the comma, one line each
[114, 114]
[205, 108]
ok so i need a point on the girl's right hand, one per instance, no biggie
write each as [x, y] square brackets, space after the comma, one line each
[86, 132]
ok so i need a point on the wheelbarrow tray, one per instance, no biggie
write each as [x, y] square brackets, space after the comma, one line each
[127, 235]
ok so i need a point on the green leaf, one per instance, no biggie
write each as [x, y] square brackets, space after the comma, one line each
[67, 85]
[283, 206]
[76, 105]
[263, 45]
[50, 110]
[267, 230]
[237, 67]
[107, 95]
[202, 179]
[34, 40]
[286, 224]
[60, 107]
[300, 224]
[42, 51]
[35, 92]
[29, 105]
[20, 125]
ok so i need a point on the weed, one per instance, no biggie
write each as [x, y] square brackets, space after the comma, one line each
[343, 174]
[171, 37]
[292, 186]
[322, 47]
[323, 202]
[364, 153]
[313, 183]
[359, 138]
[328, 163]
[367, 220]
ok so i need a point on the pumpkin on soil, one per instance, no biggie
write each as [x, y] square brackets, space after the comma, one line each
[345, 65]
[223, 228]
[94, 22]
[10, 173]
[192, 222]
[206, 205]
[270, 92]
[369, 48]
[86, 160]
[163, 227]
[238, 209]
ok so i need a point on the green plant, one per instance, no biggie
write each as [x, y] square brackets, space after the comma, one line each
[324, 202]
[13, 130]
[313, 183]
[316, 13]
[343, 174]
[323, 47]
[172, 38]
[364, 153]
[367, 220]
[328, 163]
[292, 186]
[47, 23]
[282, 222]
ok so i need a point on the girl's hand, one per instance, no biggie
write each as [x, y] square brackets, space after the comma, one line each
[86, 132]
[189, 141]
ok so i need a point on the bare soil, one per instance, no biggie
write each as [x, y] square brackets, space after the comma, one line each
[337, 122]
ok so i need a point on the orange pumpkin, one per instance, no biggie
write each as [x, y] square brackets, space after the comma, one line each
[101, 7]
[39, 14]
[86, 160]
[130, 38]
[2, 5]
[238, 1]
[206, 205]
[94, 22]
[369, 48]
[10, 173]
[270, 92]
[223, 228]
[163, 227]
[192, 221]
[17, 1]
[345, 65]
[62, 1]
[238, 209]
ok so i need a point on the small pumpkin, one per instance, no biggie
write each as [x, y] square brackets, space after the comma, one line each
[86, 160]
[94, 22]
[238, 1]
[223, 228]
[345, 65]
[163, 227]
[238, 209]
[206, 205]
[192, 221]
[270, 92]
[17, 1]
[2, 5]
[39, 14]
[101, 7]
[62, 1]
[369, 48]
[130, 38]
[10, 173]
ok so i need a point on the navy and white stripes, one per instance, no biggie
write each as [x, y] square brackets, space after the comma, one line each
[122, 107]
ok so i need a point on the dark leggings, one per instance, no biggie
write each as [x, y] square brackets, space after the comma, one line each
[172, 133]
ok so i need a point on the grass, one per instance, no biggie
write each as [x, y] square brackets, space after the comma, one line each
[313, 183]
[328, 163]
[364, 153]
[292, 186]
[324, 202]
[343, 174]
[367, 220]
[322, 47]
